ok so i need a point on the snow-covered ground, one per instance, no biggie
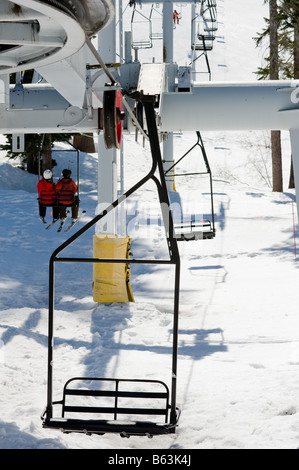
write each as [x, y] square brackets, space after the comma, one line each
[238, 339]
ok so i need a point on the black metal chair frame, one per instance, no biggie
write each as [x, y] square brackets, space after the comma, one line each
[170, 412]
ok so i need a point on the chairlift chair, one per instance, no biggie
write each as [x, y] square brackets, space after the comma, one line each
[156, 19]
[113, 405]
[204, 42]
[110, 405]
[209, 26]
[209, 11]
[202, 38]
[141, 29]
[192, 229]
[77, 179]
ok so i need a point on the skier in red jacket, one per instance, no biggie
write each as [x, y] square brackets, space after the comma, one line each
[66, 189]
[47, 195]
[176, 17]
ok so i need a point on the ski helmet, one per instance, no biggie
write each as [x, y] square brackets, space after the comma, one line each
[66, 173]
[47, 174]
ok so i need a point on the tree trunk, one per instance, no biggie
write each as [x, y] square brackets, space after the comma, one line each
[276, 161]
[47, 154]
[85, 143]
[274, 71]
[292, 179]
[277, 182]
[32, 163]
[296, 50]
[296, 76]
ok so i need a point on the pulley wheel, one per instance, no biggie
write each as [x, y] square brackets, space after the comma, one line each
[113, 117]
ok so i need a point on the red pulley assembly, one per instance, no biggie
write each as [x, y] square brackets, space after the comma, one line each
[113, 116]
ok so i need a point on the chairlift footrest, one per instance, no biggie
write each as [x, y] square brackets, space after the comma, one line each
[100, 427]
[194, 235]
[102, 405]
[194, 231]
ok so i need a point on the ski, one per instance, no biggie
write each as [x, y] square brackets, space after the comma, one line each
[61, 225]
[75, 221]
[51, 224]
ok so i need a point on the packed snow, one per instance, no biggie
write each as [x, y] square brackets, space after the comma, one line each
[238, 355]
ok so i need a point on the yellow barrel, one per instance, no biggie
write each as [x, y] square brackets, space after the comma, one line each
[111, 281]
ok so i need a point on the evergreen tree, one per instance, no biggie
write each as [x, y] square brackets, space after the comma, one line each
[289, 17]
[271, 71]
[284, 17]
[277, 180]
[36, 146]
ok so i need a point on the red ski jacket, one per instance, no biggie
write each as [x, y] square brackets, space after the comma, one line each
[46, 192]
[66, 189]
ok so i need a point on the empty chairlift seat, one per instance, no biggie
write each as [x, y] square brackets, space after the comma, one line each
[156, 19]
[188, 231]
[197, 228]
[204, 42]
[141, 31]
[202, 31]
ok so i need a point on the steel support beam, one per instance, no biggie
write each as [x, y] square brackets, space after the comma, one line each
[232, 106]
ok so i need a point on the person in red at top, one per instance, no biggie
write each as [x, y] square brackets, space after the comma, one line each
[47, 195]
[176, 17]
[66, 189]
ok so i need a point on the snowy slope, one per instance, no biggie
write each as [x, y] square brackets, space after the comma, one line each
[238, 342]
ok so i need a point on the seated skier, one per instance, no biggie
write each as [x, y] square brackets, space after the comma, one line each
[47, 196]
[66, 190]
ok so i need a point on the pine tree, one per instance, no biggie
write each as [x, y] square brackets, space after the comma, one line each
[289, 18]
[277, 180]
[287, 23]
[37, 146]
